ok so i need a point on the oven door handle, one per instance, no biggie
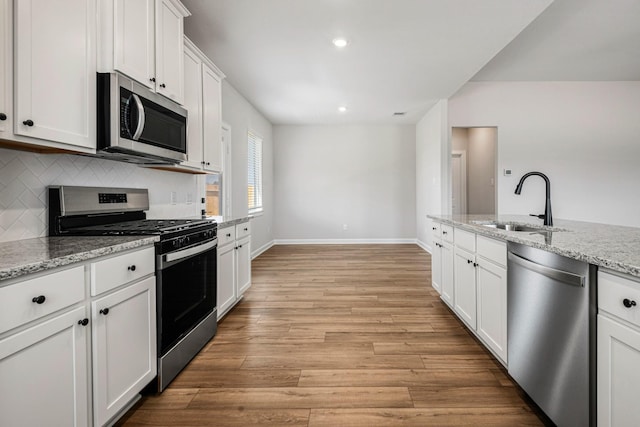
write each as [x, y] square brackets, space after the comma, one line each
[185, 253]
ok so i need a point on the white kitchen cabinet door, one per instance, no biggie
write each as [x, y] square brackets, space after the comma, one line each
[447, 273]
[492, 306]
[244, 264]
[618, 374]
[193, 104]
[226, 292]
[436, 266]
[464, 279]
[6, 63]
[212, 119]
[134, 40]
[44, 374]
[170, 49]
[124, 347]
[55, 71]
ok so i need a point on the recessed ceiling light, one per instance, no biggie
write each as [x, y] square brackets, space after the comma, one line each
[340, 42]
[342, 109]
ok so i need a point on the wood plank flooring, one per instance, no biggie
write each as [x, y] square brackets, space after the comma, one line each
[338, 335]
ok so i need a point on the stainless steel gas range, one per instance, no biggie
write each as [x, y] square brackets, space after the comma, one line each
[185, 263]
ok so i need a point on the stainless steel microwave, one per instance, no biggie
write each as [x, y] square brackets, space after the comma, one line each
[137, 125]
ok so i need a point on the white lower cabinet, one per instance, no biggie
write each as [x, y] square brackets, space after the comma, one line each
[243, 265]
[234, 265]
[446, 251]
[465, 286]
[44, 373]
[46, 377]
[618, 353]
[491, 282]
[442, 262]
[227, 296]
[436, 266]
[473, 281]
[124, 347]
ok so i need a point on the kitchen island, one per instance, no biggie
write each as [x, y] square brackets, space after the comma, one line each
[611, 246]
[471, 272]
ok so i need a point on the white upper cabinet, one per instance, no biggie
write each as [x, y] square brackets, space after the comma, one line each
[55, 71]
[144, 40]
[134, 40]
[212, 119]
[203, 101]
[169, 49]
[193, 104]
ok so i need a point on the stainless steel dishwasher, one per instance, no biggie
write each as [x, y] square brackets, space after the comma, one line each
[551, 332]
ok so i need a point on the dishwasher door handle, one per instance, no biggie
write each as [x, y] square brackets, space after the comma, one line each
[552, 273]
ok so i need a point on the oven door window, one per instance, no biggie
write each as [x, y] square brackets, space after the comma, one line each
[188, 293]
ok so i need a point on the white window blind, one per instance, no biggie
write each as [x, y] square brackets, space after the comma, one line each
[254, 188]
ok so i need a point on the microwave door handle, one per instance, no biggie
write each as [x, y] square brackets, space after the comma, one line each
[141, 117]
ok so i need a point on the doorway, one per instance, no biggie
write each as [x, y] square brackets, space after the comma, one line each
[459, 182]
[473, 170]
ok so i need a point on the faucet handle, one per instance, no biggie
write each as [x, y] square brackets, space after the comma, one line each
[541, 216]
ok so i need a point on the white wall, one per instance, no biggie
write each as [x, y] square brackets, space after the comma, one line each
[242, 117]
[24, 178]
[583, 135]
[361, 176]
[432, 159]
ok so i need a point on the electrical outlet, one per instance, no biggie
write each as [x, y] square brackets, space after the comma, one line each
[507, 172]
[174, 197]
[345, 227]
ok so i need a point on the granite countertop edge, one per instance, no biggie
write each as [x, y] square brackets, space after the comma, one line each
[233, 221]
[45, 253]
[595, 255]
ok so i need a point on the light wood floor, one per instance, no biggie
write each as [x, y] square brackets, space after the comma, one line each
[340, 336]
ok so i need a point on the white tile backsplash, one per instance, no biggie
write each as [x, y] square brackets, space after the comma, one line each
[24, 178]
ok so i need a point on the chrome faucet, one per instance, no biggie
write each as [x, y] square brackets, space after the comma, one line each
[548, 220]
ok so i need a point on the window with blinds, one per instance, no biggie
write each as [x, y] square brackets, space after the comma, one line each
[254, 187]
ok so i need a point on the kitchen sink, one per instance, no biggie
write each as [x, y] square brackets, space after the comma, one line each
[514, 227]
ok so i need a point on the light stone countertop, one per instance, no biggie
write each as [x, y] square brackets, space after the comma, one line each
[27, 256]
[612, 246]
[228, 221]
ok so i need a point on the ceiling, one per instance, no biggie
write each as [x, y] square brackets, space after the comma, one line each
[574, 40]
[404, 55]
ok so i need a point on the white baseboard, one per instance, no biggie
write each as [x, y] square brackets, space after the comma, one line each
[262, 249]
[424, 246]
[344, 241]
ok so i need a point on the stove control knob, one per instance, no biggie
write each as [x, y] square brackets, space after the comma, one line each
[187, 240]
[174, 243]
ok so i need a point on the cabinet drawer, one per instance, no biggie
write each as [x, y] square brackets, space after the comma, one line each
[465, 240]
[436, 230]
[226, 235]
[613, 291]
[112, 272]
[56, 291]
[492, 249]
[447, 233]
[243, 229]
